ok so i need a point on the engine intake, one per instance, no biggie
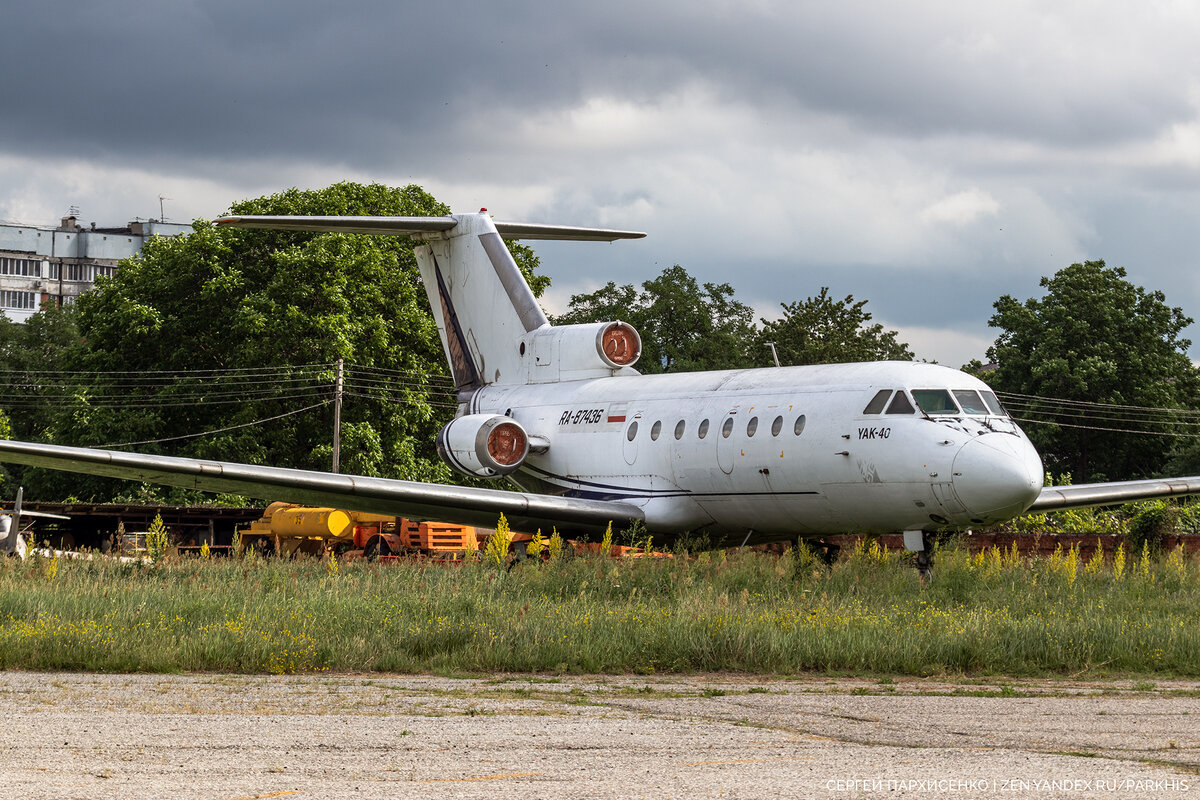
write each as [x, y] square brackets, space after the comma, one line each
[619, 344]
[579, 352]
[483, 445]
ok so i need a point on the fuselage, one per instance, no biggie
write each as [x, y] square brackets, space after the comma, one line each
[873, 447]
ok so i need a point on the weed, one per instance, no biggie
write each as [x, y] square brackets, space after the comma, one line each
[498, 544]
[536, 545]
[157, 539]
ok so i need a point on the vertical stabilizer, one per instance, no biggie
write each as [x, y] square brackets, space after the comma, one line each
[483, 305]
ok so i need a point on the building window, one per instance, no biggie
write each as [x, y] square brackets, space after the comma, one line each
[22, 300]
[20, 266]
[80, 272]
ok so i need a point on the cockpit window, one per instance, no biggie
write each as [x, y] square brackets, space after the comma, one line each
[993, 404]
[878, 402]
[900, 405]
[970, 402]
[934, 401]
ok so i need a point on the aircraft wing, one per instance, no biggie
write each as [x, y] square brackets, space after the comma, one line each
[1084, 495]
[419, 501]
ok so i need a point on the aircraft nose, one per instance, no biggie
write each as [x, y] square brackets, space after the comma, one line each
[997, 475]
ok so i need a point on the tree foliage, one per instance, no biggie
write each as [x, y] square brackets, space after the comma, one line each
[1097, 338]
[684, 326]
[271, 303]
[821, 330]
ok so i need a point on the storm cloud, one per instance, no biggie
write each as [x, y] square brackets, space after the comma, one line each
[926, 156]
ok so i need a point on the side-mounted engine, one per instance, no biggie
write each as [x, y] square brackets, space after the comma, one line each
[483, 445]
[578, 352]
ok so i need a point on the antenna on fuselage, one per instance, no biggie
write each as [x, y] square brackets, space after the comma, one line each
[774, 353]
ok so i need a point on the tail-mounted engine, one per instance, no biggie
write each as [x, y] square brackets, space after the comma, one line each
[483, 445]
[577, 352]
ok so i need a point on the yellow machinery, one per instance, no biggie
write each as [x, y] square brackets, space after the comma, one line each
[288, 529]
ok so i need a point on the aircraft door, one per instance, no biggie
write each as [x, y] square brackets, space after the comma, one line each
[633, 432]
[727, 438]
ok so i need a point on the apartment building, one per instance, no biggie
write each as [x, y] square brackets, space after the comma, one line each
[39, 265]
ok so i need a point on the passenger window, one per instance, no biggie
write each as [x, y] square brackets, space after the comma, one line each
[777, 426]
[993, 404]
[878, 401]
[900, 405]
[702, 431]
[970, 402]
[799, 426]
[727, 428]
[679, 428]
[631, 434]
[752, 426]
[934, 401]
[655, 430]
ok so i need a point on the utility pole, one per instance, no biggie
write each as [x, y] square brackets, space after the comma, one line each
[337, 417]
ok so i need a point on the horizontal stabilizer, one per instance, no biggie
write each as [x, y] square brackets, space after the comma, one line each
[418, 501]
[401, 226]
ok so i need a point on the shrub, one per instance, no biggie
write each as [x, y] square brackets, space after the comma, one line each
[1153, 520]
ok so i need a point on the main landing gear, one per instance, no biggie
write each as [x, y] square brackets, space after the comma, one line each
[919, 542]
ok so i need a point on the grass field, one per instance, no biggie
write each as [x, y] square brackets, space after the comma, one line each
[987, 614]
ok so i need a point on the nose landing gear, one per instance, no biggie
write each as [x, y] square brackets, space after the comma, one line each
[918, 542]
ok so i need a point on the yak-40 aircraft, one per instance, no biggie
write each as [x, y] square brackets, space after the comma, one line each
[748, 455]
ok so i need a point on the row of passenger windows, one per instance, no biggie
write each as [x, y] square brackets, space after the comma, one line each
[726, 428]
[935, 401]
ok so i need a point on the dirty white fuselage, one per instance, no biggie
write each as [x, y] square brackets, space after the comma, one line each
[756, 468]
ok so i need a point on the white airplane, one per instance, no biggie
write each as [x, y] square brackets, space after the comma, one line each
[744, 456]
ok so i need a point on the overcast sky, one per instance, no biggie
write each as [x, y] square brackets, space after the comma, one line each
[925, 156]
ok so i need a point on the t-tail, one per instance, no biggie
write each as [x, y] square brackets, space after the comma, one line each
[493, 331]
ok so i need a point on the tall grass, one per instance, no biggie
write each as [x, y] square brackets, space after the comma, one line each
[995, 614]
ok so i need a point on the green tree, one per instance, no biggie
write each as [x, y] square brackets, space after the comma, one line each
[1097, 338]
[280, 307]
[821, 330]
[684, 326]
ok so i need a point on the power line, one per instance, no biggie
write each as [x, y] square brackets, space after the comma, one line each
[221, 430]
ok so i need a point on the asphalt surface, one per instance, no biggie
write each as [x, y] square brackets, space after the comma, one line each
[221, 737]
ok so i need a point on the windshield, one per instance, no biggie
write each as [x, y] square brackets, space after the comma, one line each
[970, 402]
[993, 404]
[934, 401]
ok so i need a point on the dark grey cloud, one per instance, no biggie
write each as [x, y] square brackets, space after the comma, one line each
[365, 82]
[928, 156]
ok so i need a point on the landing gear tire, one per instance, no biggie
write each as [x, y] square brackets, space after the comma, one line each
[829, 554]
[519, 551]
[924, 565]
